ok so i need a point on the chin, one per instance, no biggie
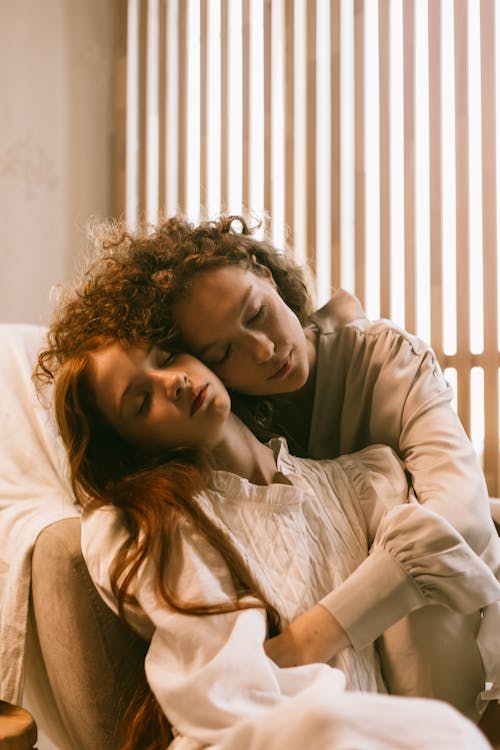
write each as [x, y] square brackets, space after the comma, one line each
[295, 381]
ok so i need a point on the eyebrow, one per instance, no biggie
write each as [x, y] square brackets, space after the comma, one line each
[243, 302]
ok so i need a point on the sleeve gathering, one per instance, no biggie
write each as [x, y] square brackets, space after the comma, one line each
[417, 559]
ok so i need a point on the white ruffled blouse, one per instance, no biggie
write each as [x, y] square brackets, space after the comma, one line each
[302, 541]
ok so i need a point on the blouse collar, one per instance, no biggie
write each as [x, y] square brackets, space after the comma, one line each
[231, 485]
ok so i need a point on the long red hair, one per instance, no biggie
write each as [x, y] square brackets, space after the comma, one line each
[154, 493]
[126, 294]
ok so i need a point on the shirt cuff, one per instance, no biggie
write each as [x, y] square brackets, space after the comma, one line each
[379, 593]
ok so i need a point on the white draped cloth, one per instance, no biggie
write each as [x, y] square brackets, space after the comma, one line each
[34, 492]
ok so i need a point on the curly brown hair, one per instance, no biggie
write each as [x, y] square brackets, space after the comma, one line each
[129, 290]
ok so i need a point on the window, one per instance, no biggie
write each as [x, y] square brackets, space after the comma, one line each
[364, 131]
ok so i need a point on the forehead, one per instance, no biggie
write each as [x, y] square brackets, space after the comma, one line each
[214, 299]
[110, 359]
[224, 277]
[111, 370]
[212, 305]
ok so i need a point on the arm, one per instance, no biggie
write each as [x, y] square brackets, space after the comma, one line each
[398, 577]
[412, 411]
[315, 636]
[416, 558]
[445, 470]
[376, 383]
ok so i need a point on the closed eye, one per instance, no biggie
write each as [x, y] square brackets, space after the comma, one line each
[221, 360]
[165, 359]
[256, 316]
[144, 405]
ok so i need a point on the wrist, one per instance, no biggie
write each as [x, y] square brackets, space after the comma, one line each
[280, 649]
[317, 636]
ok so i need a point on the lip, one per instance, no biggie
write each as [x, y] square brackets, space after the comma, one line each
[199, 399]
[283, 368]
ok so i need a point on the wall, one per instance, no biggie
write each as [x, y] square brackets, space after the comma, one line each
[55, 135]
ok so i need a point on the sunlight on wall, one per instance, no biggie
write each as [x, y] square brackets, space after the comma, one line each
[55, 155]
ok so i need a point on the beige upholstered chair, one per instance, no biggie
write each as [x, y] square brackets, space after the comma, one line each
[92, 659]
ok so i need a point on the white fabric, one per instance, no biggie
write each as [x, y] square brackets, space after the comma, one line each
[211, 673]
[33, 492]
[321, 718]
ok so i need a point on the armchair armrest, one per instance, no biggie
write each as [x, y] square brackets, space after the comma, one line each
[93, 661]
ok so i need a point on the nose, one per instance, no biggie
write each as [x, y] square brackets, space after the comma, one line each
[261, 346]
[174, 383]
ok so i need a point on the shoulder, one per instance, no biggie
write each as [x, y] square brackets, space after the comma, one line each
[103, 531]
[342, 321]
[342, 309]
[103, 534]
[196, 570]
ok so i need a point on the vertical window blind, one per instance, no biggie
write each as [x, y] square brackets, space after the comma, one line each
[362, 131]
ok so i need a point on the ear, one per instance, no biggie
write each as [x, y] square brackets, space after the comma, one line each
[261, 270]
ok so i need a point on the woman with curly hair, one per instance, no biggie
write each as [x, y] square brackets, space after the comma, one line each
[207, 556]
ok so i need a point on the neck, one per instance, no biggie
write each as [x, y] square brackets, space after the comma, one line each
[241, 453]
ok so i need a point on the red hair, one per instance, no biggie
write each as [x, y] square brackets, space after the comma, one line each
[126, 295]
[154, 494]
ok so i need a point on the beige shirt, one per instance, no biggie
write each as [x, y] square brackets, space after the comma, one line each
[375, 383]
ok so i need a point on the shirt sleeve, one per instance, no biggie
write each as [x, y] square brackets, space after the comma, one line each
[416, 556]
[207, 672]
[417, 559]
[445, 470]
[412, 411]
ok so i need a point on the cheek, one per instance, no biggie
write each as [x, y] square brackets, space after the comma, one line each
[282, 319]
[239, 374]
[295, 328]
[164, 428]
[223, 406]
